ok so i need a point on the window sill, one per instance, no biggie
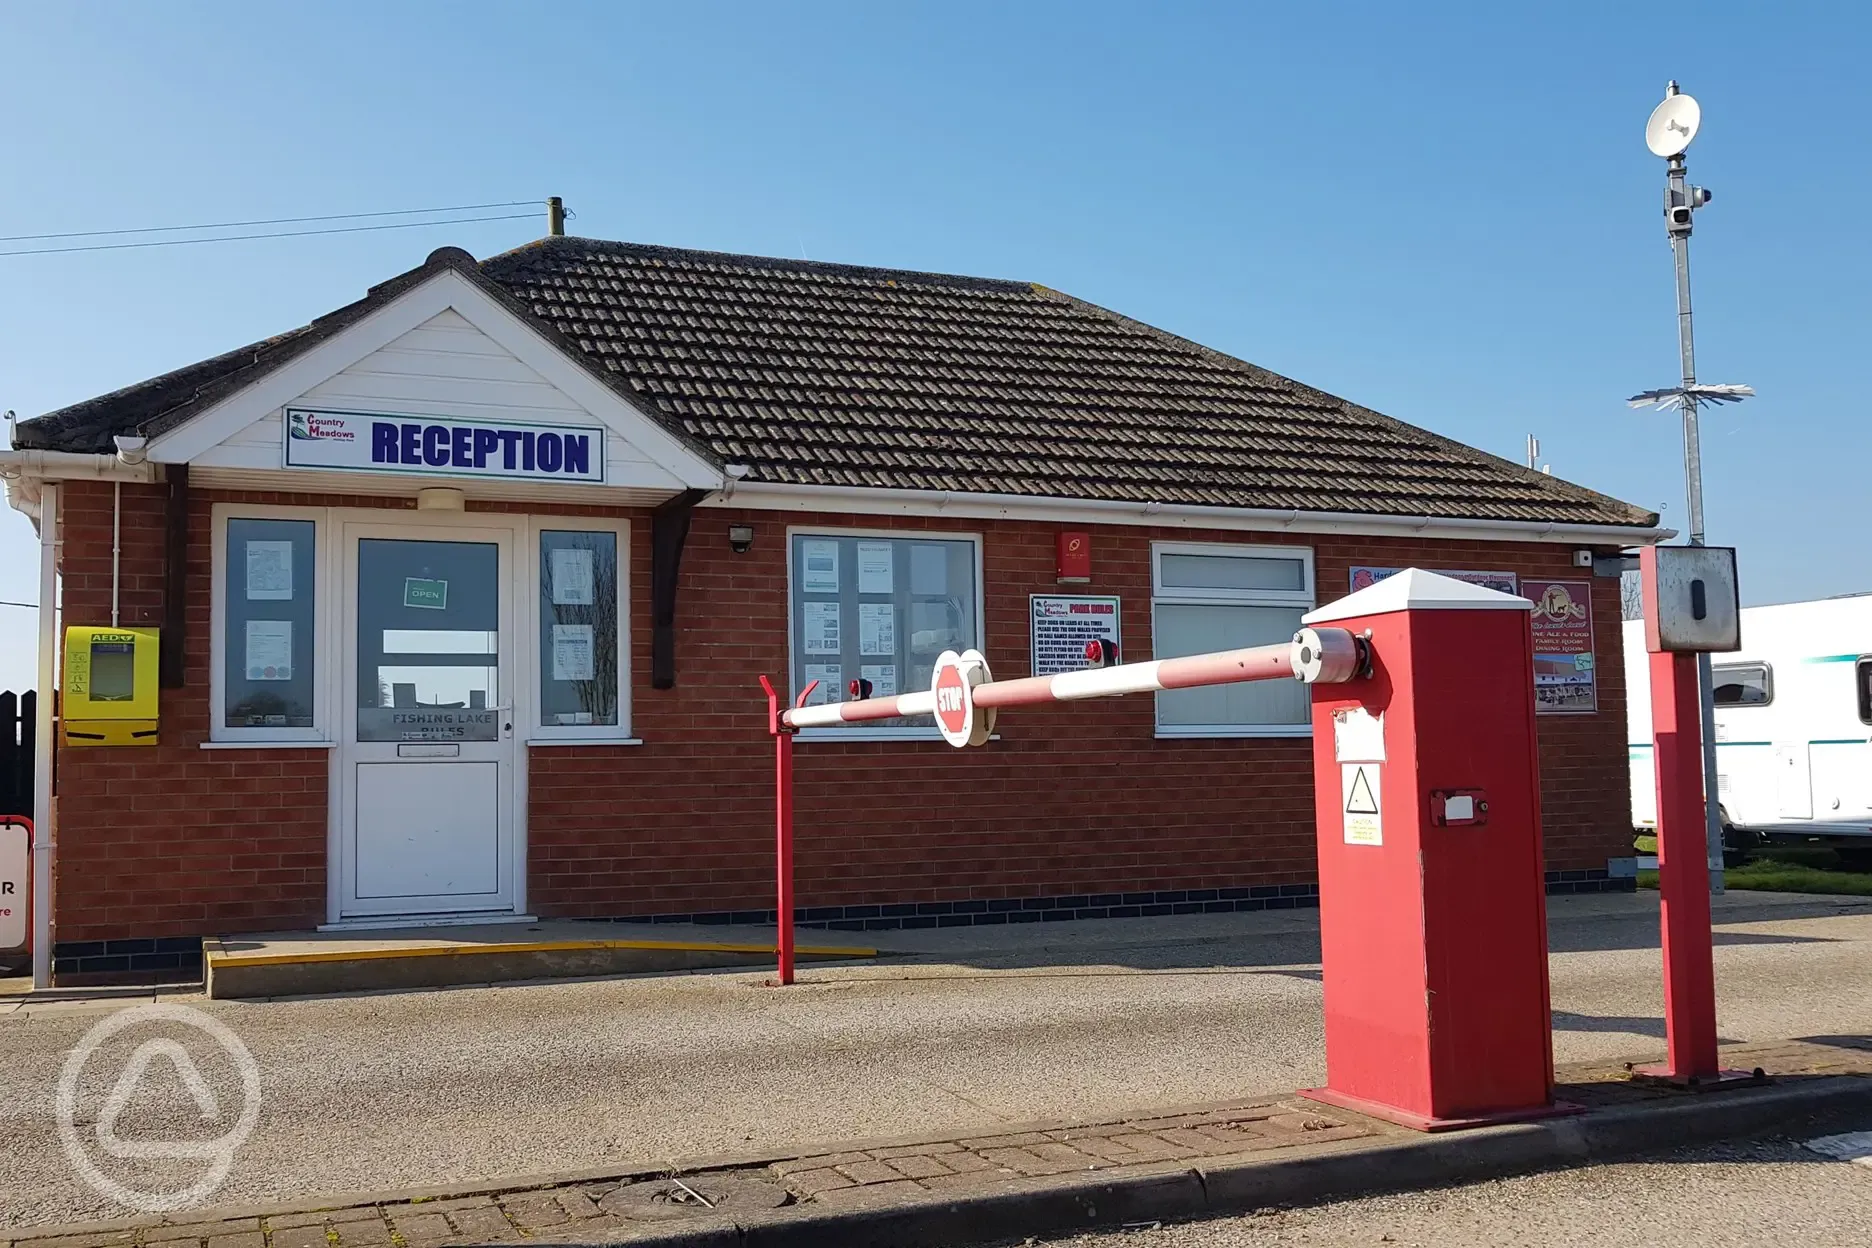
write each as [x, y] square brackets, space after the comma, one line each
[873, 734]
[539, 741]
[1210, 732]
[269, 745]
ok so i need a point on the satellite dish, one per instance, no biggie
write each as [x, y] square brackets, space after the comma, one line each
[1673, 124]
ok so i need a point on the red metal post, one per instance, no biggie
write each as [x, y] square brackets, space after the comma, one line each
[783, 826]
[1683, 871]
[783, 789]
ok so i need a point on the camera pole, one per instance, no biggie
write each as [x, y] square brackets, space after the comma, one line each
[1677, 210]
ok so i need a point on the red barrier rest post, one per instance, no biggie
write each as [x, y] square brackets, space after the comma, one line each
[1691, 606]
[783, 826]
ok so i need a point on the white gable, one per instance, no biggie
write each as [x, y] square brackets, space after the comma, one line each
[445, 351]
[1414, 589]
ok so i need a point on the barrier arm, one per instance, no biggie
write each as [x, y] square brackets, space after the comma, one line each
[1325, 655]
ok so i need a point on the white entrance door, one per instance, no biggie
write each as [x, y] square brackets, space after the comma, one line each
[425, 818]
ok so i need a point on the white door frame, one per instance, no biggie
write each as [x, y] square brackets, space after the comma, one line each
[508, 533]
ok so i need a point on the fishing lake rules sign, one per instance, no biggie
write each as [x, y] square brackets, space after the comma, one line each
[1063, 626]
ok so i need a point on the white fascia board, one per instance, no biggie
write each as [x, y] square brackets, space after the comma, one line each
[876, 501]
[445, 291]
[1414, 589]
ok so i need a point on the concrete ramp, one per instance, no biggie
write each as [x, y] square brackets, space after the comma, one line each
[280, 964]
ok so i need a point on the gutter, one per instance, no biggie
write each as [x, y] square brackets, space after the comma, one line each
[25, 471]
[874, 500]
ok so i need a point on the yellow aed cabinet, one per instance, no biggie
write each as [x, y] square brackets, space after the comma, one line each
[110, 686]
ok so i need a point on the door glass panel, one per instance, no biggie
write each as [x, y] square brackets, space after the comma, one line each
[428, 639]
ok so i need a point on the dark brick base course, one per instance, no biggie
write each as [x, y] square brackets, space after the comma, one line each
[170, 958]
[180, 958]
[887, 917]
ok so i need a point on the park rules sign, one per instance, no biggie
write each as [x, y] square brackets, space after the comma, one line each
[441, 447]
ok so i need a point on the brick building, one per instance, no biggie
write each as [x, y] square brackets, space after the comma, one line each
[465, 589]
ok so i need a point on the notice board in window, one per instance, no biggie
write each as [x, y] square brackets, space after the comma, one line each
[1063, 626]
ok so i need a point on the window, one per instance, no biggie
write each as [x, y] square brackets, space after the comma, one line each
[267, 629]
[1743, 684]
[1863, 682]
[1208, 598]
[880, 608]
[582, 666]
[428, 640]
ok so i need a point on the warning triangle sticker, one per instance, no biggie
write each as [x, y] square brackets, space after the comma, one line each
[1361, 801]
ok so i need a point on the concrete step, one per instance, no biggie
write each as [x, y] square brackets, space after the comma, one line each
[281, 964]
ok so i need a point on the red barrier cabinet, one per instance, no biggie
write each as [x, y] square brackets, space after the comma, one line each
[1432, 909]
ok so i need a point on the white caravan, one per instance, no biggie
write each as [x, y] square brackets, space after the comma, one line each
[1793, 727]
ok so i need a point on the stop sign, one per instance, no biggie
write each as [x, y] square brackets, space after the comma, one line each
[952, 686]
[954, 707]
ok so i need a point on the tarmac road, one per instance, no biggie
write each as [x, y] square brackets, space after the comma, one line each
[984, 1026]
[1730, 1196]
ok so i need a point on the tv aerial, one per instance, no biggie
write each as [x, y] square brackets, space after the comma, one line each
[1673, 124]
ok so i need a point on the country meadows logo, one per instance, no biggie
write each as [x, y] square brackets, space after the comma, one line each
[1557, 605]
[311, 427]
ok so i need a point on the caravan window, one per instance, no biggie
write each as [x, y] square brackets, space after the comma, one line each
[1863, 682]
[1743, 684]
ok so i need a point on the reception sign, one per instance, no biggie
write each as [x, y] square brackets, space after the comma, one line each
[437, 446]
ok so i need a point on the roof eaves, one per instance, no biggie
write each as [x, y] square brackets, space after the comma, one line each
[1617, 511]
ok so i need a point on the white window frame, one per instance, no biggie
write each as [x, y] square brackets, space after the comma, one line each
[877, 732]
[323, 647]
[1303, 598]
[532, 644]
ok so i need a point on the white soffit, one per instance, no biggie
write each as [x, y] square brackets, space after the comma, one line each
[1414, 589]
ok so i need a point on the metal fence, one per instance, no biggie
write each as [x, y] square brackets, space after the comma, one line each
[18, 713]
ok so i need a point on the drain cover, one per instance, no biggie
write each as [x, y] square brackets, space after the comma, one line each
[660, 1199]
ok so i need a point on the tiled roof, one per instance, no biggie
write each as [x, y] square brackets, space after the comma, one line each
[826, 374]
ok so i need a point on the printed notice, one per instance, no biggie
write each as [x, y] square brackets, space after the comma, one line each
[573, 584]
[1565, 678]
[877, 628]
[1358, 736]
[883, 678]
[874, 567]
[822, 628]
[269, 650]
[1364, 819]
[1063, 626]
[819, 566]
[831, 680]
[269, 571]
[572, 652]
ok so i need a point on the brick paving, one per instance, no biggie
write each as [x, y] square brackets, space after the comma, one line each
[544, 1213]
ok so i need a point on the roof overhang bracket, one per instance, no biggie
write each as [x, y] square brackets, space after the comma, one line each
[669, 531]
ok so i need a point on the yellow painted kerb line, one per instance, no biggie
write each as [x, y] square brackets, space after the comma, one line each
[548, 946]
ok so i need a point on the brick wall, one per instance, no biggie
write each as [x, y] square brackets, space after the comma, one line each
[1078, 800]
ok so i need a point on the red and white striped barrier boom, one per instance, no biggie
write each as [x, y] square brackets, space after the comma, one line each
[1327, 655]
[964, 700]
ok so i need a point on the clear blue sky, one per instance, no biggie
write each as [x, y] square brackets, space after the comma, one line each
[1446, 214]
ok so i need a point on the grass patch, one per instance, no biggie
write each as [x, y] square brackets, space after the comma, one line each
[1782, 870]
